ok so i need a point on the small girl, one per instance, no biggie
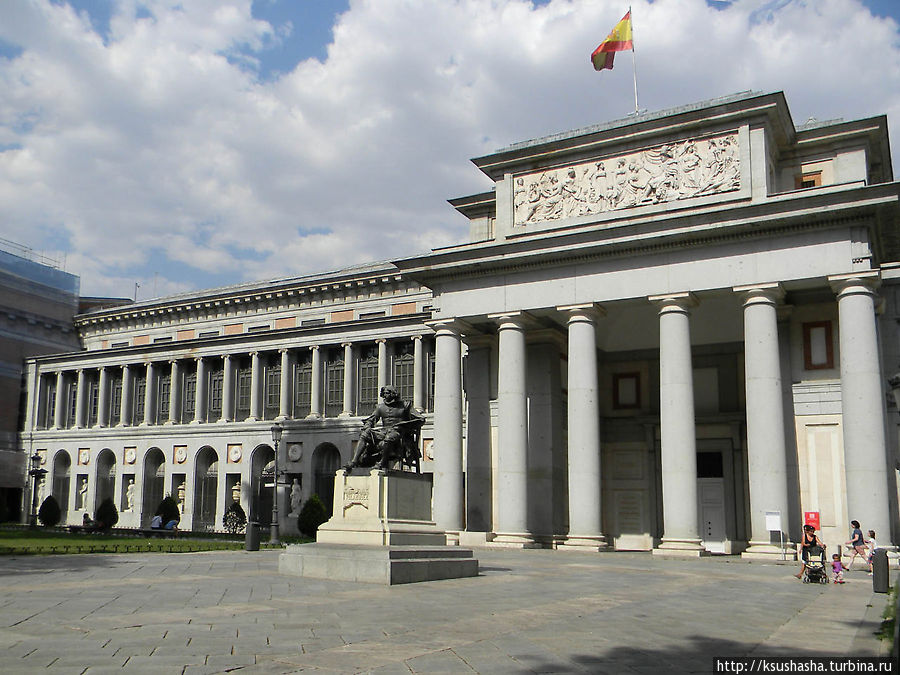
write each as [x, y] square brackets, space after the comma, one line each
[872, 546]
[837, 569]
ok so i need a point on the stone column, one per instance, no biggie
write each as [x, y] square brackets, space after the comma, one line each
[255, 382]
[512, 432]
[287, 377]
[80, 399]
[200, 392]
[315, 388]
[227, 389]
[766, 454]
[383, 364]
[126, 411]
[174, 393]
[349, 380]
[862, 402]
[585, 524]
[149, 397]
[103, 398]
[479, 479]
[59, 401]
[448, 470]
[419, 377]
[678, 434]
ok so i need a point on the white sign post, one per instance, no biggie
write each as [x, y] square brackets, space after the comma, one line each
[773, 522]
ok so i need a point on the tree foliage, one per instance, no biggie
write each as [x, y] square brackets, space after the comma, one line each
[311, 516]
[168, 510]
[235, 520]
[107, 515]
[49, 513]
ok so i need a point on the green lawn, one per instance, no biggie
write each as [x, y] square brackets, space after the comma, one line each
[22, 541]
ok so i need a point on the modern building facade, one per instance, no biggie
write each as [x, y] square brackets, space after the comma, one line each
[671, 332]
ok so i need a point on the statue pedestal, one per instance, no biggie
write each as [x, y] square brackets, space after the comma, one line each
[381, 532]
[381, 508]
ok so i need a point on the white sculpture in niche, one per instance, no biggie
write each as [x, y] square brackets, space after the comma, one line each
[82, 493]
[180, 498]
[681, 170]
[129, 495]
[295, 498]
[236, 492]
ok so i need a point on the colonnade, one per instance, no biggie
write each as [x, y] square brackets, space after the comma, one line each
[862, 400]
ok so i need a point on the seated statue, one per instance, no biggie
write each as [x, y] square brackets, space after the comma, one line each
[396, 440]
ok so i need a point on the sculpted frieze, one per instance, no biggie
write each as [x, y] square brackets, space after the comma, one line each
[690, 168]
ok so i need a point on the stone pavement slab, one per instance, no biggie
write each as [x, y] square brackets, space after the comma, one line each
[528, 611]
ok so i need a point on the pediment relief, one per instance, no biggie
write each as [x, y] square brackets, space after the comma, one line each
[664, 173]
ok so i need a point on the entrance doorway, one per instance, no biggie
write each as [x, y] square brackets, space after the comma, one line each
[711, 501]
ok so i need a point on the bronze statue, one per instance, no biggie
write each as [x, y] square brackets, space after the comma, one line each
[396, 440]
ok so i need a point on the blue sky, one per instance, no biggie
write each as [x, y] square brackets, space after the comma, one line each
[185, 145]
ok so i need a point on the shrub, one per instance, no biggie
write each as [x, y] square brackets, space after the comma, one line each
[168, 510]
[106, 515]
[50, 513]
[311, 516]
[235, 520]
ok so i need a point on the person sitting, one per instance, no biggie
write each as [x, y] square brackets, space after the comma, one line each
[384, 446]
[171, 525]
[86, 521]
[156, 522]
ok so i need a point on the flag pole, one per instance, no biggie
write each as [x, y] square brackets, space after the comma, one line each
[633, 66]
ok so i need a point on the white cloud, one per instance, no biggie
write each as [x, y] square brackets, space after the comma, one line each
[156, 147]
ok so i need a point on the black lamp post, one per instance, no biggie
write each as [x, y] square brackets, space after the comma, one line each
[36, 474]
[277, 430]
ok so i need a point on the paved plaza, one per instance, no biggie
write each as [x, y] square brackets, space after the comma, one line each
[528, 611]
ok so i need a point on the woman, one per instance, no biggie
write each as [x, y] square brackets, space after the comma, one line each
[858, 542]
[810, 539]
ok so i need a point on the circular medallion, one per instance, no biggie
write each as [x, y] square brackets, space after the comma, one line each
[84, 456]
[295, 452]
[234, 453]
[180, 455]
[130, 455]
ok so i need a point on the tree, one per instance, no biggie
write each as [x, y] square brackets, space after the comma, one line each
[311, 516]
[107, 515]
[49, 513]
[168, 510]
[235, 520]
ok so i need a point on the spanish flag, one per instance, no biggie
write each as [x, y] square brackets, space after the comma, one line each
[618, 40]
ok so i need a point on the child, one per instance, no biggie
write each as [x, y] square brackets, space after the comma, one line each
[837, 569]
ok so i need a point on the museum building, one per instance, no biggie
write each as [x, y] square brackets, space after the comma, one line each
[671, 332]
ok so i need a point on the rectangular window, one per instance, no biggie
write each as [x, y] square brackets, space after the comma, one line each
[93, 401]
[404, 370]
[818, 345]
[272, 389]
[50, 402]
[626, 391]
[242, 401]
[312, 322]
[371, 315]
[71, 404]
[189, 397]
[430, 404]
[216, 384]
[367, 398]
[808, 179]
[164, 396]
[115, 399]
[256, 329]
[302, 388]
[140, 398]
[163, 339]
[334, 383]
[208, 333]
[115, 345]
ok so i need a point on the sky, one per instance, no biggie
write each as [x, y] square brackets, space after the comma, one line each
[188, 144]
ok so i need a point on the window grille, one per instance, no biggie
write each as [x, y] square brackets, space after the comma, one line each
[302, 388]
[334, 384]
[272, 389]
[50, 405]
[93, 401]
[164, 397]
[404, 371]
[368, 381]
[140, 397]
[190, 397]
[115, 400]
[244, 380]
[216, 384]
[72, 394]
[430, 404]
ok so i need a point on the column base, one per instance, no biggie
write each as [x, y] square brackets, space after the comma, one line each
[473, 539]
[452, 537]
[588, 542]
[680, 548]
[281, 418]
[346, 414]
[251, 419]
[513, 540]
[766, 551]
[313, 416]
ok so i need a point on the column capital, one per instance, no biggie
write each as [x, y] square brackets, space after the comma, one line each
[314, 348]
[379, 341]
[449, 325]
[283, 350]
[674, 302]
[512, 320]
[349, 344]
[588, 311]
[416, 337]
[854, 283]
[755, 294]
[199, 359]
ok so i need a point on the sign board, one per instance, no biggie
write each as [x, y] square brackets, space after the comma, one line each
[811, 518]
[773, 521]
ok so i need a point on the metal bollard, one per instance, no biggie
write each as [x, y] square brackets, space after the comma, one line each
[251, 538]
[881, 582]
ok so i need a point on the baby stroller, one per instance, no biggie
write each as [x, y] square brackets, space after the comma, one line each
[815, 571]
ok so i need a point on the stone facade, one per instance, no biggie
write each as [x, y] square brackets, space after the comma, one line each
[648, 360]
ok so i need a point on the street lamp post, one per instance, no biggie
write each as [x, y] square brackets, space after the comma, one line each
[36, 474]
[277, 430]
